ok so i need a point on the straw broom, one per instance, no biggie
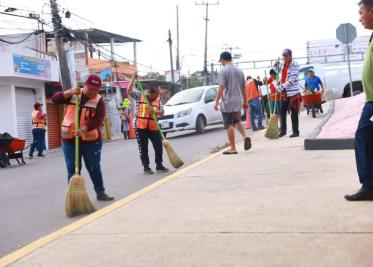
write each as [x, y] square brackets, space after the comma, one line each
[175, 160]
[272, 129]
[77, 199]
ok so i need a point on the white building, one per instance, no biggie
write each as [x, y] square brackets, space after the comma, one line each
[23, 74]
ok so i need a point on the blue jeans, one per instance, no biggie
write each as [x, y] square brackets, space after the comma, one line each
[364, 146]
[255, 109]
[38, 141]
[91, 153]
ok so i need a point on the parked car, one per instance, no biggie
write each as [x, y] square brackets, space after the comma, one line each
[191, 109]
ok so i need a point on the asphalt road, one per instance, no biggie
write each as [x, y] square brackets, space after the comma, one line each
[32, 196]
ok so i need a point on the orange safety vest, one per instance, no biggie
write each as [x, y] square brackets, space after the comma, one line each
[251, 90]
[37, 122]
[88, 112]
[144, 119]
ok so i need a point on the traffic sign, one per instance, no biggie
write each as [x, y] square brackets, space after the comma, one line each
[346, 33]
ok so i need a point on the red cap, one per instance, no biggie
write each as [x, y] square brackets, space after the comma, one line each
[93, 81]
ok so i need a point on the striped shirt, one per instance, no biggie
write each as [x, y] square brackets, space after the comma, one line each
[291, 85]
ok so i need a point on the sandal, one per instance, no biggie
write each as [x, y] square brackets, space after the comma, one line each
[227, 152]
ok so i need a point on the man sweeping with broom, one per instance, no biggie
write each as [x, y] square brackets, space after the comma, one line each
[90, 113]
[146, 126]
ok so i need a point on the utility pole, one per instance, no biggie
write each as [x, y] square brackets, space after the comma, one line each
[205, 72]
[59, 33]
[172, 63]
[177, 40]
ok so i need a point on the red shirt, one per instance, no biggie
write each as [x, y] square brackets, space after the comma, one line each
[284, 73]
[96, 121]
[273, 91]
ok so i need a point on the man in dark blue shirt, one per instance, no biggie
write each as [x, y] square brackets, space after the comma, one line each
[313, 82]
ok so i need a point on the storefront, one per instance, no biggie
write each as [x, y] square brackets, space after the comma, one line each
[22, 83]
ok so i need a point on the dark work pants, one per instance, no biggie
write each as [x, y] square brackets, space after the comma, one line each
[91, 153]
[143, 136]
[38, 141]
[285, 106]
[364, 146]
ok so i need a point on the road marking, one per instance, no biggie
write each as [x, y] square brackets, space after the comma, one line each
[45, 240]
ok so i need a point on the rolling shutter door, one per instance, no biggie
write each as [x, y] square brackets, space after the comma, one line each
[25, 100]
[54, 130]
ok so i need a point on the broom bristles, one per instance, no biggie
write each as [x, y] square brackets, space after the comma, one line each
[272, 129]
[173, 157]
[77, 199]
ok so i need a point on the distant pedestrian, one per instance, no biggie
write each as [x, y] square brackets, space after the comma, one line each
[289, 87]
[255, 105]
[146, 127]
[125, 116]
[38, 131]
[364, 133]
[275, 94]
[232, 92]
[92, 115]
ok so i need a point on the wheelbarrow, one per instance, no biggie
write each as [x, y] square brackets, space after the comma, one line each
[11, 148]
[312, 102]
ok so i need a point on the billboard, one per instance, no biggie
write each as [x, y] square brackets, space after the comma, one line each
[31, 67]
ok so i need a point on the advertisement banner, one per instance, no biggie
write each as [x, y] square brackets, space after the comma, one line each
[32, 67]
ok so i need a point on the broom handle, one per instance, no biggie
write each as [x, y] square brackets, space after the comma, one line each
[268, 94]
[77, 124]
[277, 79]
[150, 108]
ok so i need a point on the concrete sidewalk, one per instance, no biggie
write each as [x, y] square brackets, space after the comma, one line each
[275, 205]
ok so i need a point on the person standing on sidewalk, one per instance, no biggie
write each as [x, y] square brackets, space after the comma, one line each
[255, 106]
[125, 118]
[232, 92]
[289, 85]
[92, 114]
[38, 131]
[146, 127]
[364, 133]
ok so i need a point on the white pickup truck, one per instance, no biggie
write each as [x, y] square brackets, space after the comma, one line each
[336, 77]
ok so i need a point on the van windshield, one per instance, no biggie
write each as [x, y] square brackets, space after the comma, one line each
[185, 97]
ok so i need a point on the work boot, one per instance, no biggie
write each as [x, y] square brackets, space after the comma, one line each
[102, 196]
[148, 170]
[365, 193]
[161, 168]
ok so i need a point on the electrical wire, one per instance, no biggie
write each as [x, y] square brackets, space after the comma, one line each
[21, 41]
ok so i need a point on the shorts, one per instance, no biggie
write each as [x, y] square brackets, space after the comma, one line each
[231, 118]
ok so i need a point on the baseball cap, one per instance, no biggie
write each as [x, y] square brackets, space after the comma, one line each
[93, 81]
[37, 104]
[225, 56]
[287, 52]
[311, 70]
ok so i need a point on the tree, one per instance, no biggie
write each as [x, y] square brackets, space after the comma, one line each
[154, 76]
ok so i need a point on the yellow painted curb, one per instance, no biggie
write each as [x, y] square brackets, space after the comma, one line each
[43, 241]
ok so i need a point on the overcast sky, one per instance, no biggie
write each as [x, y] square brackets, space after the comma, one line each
[257, 29]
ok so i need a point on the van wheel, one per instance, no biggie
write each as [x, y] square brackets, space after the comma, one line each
[200, 124]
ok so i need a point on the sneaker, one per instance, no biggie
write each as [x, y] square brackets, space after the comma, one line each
[102, 196]
[261, 127]
[148, 170]
[162, 169]
[41, 156]
[30, 157]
